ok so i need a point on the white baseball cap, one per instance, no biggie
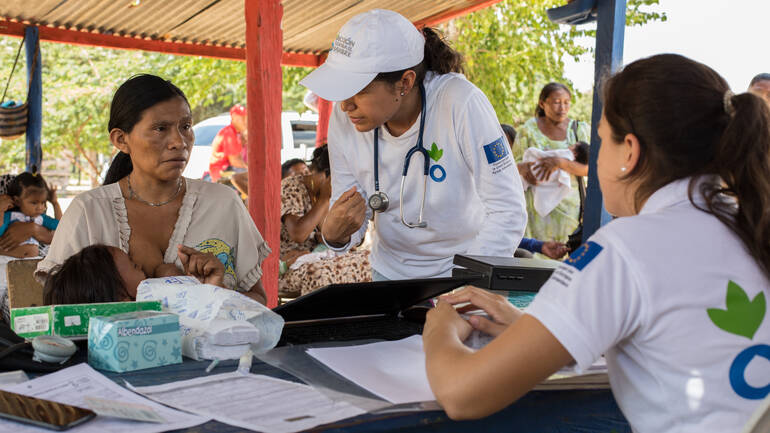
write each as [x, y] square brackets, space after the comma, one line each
[369, 43]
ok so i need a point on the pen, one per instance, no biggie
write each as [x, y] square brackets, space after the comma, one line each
[212, 365]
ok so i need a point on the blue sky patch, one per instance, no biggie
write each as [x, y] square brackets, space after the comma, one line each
[583, 255]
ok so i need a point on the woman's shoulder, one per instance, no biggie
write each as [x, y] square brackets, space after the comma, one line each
[102, 193]
[204, 187]
[452, 86]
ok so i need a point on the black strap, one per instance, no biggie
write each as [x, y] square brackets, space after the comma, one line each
[579, 179]
[13, 69]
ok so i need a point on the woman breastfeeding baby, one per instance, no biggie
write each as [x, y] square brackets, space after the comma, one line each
[133, 226]
[100, 273]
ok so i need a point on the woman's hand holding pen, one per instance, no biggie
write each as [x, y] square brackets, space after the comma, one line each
[502, 312]
[344, 218]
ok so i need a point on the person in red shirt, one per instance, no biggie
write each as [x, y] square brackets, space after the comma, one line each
[228, 144]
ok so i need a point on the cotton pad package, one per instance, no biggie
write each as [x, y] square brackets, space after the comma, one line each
[215, 323]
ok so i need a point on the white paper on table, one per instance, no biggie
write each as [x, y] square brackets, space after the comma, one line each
[252, 401]
[393, 370]
[71, 386]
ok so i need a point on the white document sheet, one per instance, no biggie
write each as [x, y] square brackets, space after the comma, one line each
[252, 401]
[72, 385]
[393, 370]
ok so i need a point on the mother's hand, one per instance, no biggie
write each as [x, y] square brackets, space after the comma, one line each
[502, 312]
[525, 171]
[19, 232]
[344, 218]
[546, 166]
[206, 267]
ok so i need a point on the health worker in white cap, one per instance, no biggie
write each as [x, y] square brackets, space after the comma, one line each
[416, 148]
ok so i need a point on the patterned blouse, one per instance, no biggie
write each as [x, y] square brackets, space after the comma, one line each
[295, 200]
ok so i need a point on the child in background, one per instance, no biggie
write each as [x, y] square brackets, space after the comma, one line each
[101, 273]
[29, 194]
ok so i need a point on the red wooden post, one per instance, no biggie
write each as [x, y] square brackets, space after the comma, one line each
[324, 113]
[264, 39]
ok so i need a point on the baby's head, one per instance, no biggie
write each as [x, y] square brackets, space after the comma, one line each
[29, 193]
[580, 152]
[98, 273]
[510, 133]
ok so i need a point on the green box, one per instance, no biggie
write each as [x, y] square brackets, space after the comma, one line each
[69, 320]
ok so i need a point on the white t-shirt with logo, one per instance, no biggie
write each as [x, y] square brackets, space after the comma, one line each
[474, 203]
[677, 305]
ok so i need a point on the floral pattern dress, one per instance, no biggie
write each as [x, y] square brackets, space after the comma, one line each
[563, 220]
[351, 267]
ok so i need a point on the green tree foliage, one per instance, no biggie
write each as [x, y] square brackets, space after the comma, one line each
[78, 83]
[512, 49]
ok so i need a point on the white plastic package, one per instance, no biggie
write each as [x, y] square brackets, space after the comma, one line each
[216, 323]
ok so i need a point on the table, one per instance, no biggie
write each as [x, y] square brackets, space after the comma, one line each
[538, 411]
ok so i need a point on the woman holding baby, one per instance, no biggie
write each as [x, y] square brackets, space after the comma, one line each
[552, 131]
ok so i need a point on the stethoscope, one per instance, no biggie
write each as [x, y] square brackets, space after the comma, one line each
[379, 200]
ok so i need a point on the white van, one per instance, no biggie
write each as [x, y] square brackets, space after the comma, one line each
[297, 139]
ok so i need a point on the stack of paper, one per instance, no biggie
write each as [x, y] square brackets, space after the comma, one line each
[75, 385]
[252, 401]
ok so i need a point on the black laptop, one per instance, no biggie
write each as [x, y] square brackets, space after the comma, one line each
[504, 273]
[342, 312]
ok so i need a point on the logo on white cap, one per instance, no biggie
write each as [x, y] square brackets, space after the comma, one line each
[343, 45]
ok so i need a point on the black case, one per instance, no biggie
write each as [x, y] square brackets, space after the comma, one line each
[505, 273]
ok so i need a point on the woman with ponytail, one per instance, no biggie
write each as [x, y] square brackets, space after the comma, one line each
[415, 147]
[147, 209]
[673, 292]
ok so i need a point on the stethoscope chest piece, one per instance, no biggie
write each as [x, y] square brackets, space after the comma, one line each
[379, 201]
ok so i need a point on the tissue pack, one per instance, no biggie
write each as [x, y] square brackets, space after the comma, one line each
[68, 320]
[134, 341]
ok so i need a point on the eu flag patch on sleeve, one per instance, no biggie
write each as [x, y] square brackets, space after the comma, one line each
[583, 255]
[496, 150]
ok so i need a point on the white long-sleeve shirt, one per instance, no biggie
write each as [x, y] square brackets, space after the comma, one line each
[474, 202]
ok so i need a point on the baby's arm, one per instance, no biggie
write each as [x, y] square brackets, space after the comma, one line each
[167, 270]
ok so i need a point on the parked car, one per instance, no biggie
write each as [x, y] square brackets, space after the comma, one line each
[297, 139]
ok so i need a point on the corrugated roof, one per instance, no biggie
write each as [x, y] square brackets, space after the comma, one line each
[309, 26]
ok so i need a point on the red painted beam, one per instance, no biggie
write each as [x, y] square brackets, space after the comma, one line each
[446, 16]
[298, 59]
[264, 39]
[78, 37]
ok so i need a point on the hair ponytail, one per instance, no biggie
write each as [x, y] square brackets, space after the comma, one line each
[742, 161]
[120, 167]
[439, 58]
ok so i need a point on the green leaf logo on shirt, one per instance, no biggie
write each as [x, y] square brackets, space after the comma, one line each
[742, 317]
[435, 153]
